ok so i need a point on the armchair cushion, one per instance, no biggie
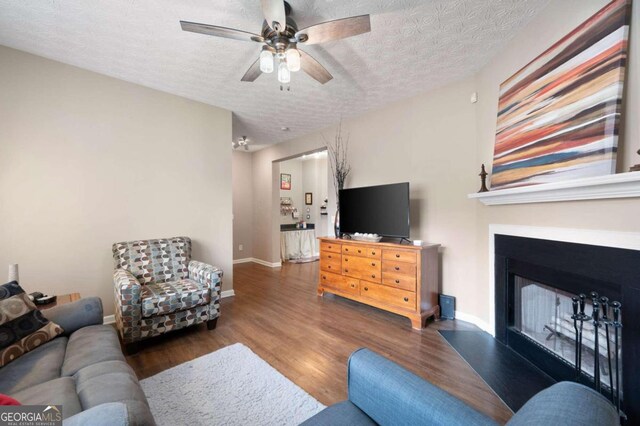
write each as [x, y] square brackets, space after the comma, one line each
[154, 261]
[167, 297]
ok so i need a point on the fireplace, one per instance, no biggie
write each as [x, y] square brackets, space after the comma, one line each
[535, 280]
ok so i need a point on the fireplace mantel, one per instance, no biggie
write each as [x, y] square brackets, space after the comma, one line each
[620, 185]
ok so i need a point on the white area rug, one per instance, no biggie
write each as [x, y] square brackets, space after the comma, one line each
[231, 386]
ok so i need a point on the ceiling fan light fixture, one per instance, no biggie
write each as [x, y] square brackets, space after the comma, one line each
[266, 61]
[284, 75]
[293, 59]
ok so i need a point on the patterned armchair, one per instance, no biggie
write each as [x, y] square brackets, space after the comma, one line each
[158, 288]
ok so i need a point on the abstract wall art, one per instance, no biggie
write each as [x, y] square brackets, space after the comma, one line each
[559, 116]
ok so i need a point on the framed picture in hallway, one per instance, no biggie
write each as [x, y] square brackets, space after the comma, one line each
[308, 198]
[559, 116]
[285, 181]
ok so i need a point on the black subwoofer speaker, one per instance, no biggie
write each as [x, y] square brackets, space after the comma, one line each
[447, 306]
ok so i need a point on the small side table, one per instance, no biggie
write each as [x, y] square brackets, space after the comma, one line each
[61, 300]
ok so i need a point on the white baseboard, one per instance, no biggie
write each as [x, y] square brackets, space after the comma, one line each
[111, 319]
[259, 262]
[483, 325]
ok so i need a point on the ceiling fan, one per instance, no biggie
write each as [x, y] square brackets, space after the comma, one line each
[280, 39]
[242, 142]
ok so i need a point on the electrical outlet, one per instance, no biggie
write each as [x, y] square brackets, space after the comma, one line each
[240, 247]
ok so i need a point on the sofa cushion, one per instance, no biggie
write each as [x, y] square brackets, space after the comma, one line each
[61, 391]
[165, 298]
[23, 373]
[91, 345]
[113, 381]
[22, 326]
[569, 404]
[342, 413]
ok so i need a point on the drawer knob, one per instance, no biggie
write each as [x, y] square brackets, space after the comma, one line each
[346, 249]
[359, 251]
[397, 268]
[397, 281]
[346, 270]
[329, 266]
[397, 255]
[366, 289]
[373, 275]
[406, 299]
[353, 286]
[324, 277]
[346, 259]
[373, 263]
[329, 256]
[373, 253]
[330, 246]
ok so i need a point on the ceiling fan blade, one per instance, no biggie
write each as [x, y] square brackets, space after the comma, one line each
[313, 68]
[334, 30]
[214, 30]
[253, 72]
[275, 14]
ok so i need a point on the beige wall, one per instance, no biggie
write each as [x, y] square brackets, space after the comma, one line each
[294, 168]
[87, 160]
[438, 140]
[242, 173]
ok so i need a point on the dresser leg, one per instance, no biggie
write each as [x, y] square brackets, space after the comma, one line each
[320, 291]
[416, 322]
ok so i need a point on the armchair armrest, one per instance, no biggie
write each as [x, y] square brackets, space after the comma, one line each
[75, 315]
[206, 274]
[389, 394]
[128, 313]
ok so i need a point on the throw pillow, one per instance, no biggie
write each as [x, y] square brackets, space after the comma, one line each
[22, 326]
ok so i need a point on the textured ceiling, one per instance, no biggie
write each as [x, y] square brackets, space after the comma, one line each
[414, 46]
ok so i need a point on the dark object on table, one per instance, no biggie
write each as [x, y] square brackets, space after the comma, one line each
[483, 178]
[44, 300]
[635, 168]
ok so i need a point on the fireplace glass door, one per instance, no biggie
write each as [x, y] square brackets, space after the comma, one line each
[542, 314]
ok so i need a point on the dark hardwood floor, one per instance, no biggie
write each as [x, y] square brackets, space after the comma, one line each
[277, 314]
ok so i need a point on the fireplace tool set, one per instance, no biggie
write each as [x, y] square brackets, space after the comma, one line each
[612, 324]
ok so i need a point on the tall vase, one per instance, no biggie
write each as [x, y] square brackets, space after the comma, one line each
[336, 224]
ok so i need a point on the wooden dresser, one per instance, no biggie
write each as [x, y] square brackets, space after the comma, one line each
[398, 278]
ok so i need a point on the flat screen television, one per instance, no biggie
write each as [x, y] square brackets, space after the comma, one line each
[382, 210]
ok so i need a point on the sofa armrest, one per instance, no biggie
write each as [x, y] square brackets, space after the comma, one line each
[113, 413]
[391, 395]
[127, 288]
[206, 274]
[567, 404]
[75, 315]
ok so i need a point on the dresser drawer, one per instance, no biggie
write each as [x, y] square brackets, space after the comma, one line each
[338, 282]
[388, 295]
[332, 247]
[399, 268]
[404, 282]
[399, 255]
[331, 262]
[366, 251]
[362, 268]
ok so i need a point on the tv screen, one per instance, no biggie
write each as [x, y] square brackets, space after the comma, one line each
[382, 210]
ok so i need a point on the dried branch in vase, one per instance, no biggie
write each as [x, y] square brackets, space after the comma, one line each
[338, 150]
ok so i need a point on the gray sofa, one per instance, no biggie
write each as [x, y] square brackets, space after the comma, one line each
[83, 370]
[383, 393]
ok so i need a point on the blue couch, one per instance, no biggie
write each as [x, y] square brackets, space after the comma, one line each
[83, 370]
[383, 393]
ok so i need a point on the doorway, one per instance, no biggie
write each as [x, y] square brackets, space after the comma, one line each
[303, 189]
